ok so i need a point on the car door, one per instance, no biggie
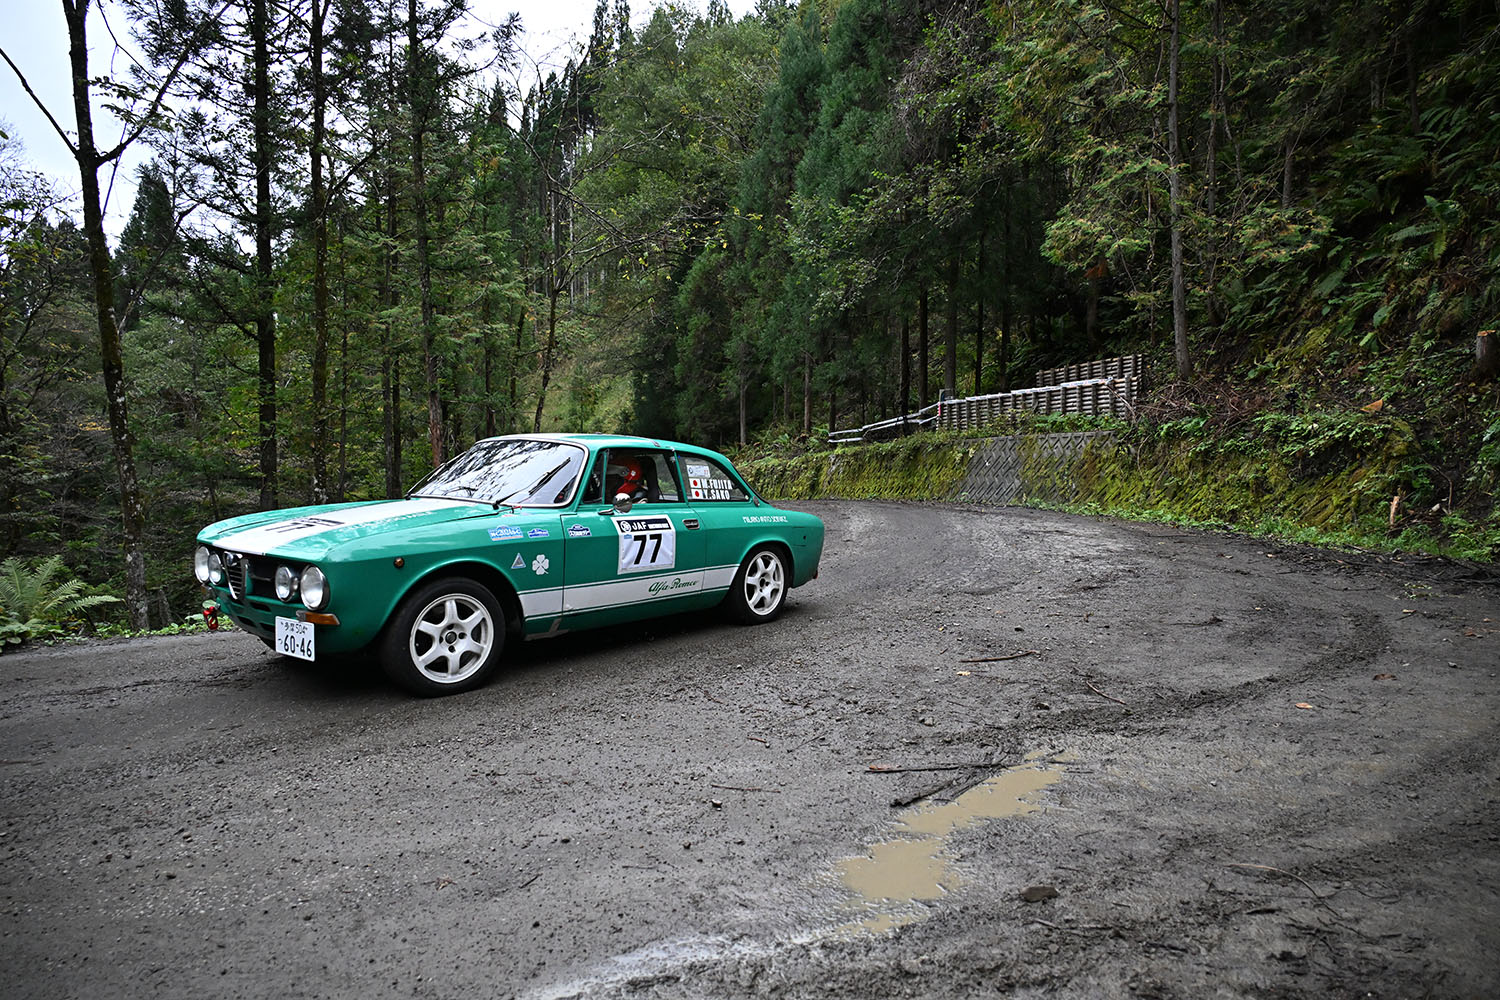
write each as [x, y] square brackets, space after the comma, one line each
[729, 519]
[647, 561]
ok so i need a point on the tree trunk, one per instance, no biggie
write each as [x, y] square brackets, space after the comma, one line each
[1006, 312]
[1486, 357]
[1174, 186]
[807, 363]
[950, 329]
[1216, 100]
[513, 404]
[320, 260]
[390, 355]
[418, 103]
[541, 396]
[265, 315]
[922, 348]
[979, 324]
[132, 512]
[903, 407]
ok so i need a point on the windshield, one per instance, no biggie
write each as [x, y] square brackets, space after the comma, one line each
[512, 472]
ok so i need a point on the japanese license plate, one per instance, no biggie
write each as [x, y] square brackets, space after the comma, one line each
[294, 638]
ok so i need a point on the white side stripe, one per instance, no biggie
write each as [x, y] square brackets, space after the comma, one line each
[623, 593]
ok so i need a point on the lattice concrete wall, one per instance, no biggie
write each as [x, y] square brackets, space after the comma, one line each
[1115, 398]
[1128, 367]
[1028, 468]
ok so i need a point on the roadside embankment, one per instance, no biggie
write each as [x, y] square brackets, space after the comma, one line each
[1348, 479]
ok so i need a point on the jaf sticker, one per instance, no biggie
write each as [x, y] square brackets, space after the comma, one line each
[646, 543]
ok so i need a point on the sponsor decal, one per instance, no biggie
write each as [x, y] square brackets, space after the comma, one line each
[520, 562]
[539, 533]
[579, 531]
[668, 586]
[504, 533]
[765, 519]
[539, 565]
[698, 471]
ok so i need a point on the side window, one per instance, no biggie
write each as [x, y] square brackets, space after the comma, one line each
[644, 476]
[707, 480]
[593, 487]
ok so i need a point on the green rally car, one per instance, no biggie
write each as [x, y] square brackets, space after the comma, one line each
[522, 535]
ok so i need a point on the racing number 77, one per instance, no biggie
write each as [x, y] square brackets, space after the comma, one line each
[640, 550]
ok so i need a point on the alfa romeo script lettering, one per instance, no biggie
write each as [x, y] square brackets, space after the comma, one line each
[646, 543]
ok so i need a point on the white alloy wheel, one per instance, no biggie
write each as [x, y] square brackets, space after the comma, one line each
[451, 638]
[759, 589]
[445, 637]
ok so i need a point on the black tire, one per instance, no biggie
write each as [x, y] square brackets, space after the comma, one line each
[759, 590]
[446, 637]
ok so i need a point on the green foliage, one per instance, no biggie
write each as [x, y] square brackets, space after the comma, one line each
[191, 625]
[766, 228]
[35, 603]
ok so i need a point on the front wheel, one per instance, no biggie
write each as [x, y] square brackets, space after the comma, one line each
[759, 590]
[446, 637]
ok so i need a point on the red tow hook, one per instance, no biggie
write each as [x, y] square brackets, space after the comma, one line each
[211, 615]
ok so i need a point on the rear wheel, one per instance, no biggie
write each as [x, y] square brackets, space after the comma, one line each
[759, 590]
[446, 637]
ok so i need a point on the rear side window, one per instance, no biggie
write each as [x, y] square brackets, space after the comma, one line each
[708, 481]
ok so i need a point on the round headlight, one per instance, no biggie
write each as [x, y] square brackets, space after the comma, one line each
[314, 588]
[200, 564]
[215, 568]
[286, 583]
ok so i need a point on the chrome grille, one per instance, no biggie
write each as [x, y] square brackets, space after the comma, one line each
[236, 574]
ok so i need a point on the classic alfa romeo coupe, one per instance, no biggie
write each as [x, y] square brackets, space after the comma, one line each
[522, 535]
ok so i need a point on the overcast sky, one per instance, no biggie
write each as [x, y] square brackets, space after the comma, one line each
[34, 35]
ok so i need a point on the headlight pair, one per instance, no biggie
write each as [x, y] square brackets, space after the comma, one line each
[310, 583]
[208, 567]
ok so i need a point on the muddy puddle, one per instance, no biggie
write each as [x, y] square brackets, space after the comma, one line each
[890, 885]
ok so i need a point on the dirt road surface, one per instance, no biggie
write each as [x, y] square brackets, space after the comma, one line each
[988, 753]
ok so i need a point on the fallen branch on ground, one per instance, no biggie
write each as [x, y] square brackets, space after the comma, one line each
[1103, 695]
[997, 659]
[1299, 878]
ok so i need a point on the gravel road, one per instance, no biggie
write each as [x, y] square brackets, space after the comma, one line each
[990, 752]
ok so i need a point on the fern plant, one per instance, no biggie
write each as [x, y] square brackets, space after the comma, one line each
[34, 602]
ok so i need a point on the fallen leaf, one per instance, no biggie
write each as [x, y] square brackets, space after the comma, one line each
[1303, 704]
[1373, 407]
[965, 673]
[1408, 611]
[1385, 677]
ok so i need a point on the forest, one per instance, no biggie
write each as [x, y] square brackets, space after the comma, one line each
[359, 244]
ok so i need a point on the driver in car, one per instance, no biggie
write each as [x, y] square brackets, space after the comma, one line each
[632, 485]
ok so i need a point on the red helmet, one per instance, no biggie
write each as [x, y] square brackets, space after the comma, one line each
[634, 478]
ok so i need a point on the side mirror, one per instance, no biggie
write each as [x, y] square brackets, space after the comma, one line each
[623, 504]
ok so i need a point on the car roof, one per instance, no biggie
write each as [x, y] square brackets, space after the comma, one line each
[598, 441]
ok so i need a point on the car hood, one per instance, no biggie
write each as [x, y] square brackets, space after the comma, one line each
[311, 532]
